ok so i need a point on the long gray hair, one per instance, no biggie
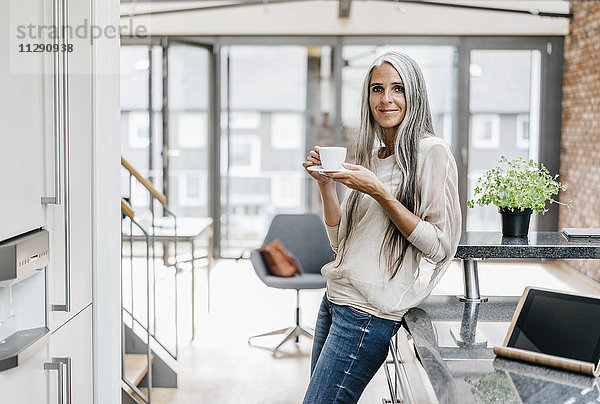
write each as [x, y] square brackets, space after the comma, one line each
[417, 122]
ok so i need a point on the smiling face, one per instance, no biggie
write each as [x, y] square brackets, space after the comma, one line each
[386, 97]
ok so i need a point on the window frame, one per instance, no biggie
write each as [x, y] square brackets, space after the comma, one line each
[520, 141]
[477, 121]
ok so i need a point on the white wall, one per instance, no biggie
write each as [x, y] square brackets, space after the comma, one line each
[106, 209]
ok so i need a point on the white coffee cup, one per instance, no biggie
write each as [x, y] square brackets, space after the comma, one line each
[332, 157]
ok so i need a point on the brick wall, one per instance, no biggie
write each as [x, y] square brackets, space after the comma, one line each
[580, 144]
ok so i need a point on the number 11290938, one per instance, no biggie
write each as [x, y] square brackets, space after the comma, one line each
[41, 47]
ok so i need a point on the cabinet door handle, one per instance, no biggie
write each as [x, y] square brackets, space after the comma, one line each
[57, 112]
[66, 160]
[59, 367]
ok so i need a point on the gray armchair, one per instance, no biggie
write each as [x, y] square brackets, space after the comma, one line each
[304, 236]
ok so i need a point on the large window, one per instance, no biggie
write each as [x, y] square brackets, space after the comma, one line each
[503, 84]
[188, 130]
[281, 96]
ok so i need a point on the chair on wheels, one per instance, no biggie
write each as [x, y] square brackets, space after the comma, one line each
[304, 236]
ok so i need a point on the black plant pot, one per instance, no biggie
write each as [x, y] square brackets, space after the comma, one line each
[515, 223]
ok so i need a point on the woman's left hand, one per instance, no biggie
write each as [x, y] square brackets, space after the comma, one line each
[360, 178]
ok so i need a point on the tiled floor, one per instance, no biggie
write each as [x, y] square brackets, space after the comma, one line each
[220, 367]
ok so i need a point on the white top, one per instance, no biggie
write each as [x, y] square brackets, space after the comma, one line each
[363, 280]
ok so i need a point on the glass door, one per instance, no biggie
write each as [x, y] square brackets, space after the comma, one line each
[186, 170]
[186, 158]
[141, 72]
[277, 103]
[166, 140]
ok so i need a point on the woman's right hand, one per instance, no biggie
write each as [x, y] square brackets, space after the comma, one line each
[314, 159]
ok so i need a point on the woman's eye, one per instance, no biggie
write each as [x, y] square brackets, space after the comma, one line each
[399, 89]
[377, 89]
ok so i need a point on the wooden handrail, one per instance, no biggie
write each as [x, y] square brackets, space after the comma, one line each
[147, 184]
[126, 207]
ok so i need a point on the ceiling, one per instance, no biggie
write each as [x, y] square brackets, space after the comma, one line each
[366, 17]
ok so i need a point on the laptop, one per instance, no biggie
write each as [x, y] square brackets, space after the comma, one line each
[575, 232]
[556, 329]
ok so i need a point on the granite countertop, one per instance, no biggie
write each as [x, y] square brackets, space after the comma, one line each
[454, 342]
[551, 245]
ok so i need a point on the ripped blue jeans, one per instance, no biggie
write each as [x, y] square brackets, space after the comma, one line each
[348, 349]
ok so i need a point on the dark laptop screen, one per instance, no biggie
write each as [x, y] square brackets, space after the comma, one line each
[558, 324]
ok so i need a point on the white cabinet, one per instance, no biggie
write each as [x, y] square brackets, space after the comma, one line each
[79, 282]
[73, 343]
[29, 171]
[27, 147]
[26, 383]
[32, 383]
[22, 103]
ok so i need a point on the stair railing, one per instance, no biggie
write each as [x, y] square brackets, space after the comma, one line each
[128, 214]
[155, 229]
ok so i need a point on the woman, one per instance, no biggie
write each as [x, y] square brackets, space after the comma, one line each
[395, 233]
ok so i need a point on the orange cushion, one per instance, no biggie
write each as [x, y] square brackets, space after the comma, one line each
[280, 261]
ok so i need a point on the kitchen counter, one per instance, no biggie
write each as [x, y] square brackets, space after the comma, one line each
[478, 245]
[454, 342]
[549, 245]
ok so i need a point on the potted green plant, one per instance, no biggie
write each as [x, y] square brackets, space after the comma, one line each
[517, 188]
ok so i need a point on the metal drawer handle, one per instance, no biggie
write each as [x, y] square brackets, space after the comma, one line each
[59, 367]
[59, 364]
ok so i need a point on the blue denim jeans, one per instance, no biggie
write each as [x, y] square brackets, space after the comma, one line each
[348, 349]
